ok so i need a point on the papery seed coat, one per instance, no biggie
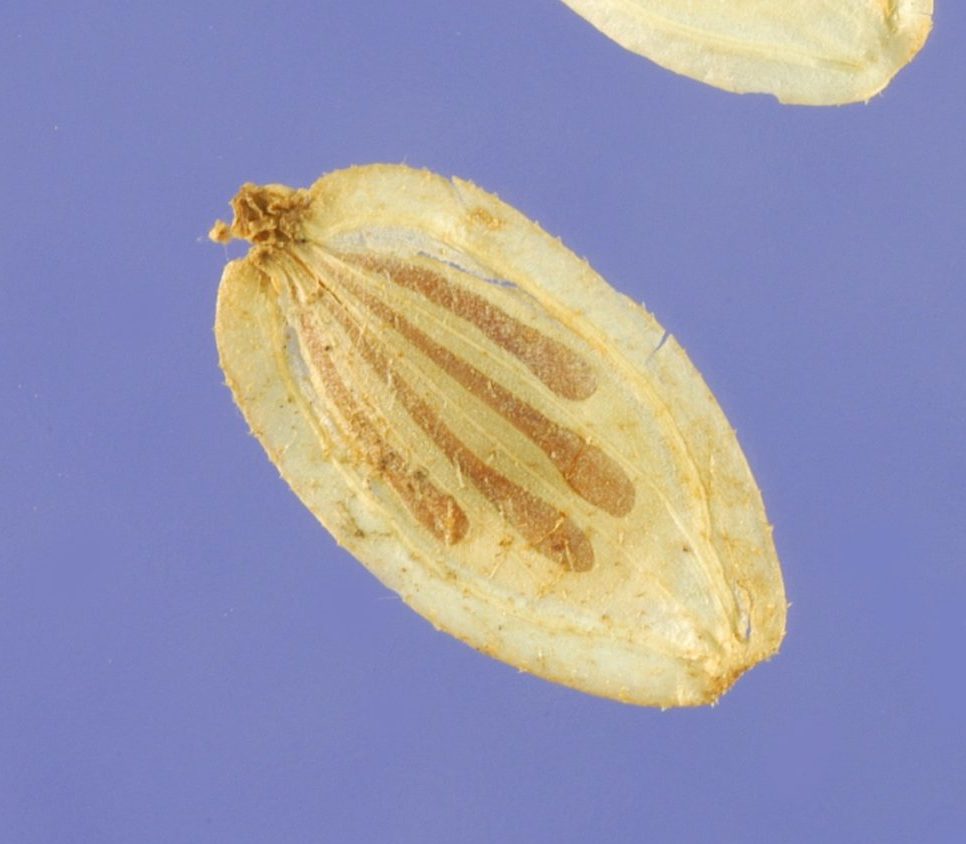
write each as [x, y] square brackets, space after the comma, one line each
[511, 445]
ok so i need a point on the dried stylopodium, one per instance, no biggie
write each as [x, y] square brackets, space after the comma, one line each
[511, 445]
[810, 52]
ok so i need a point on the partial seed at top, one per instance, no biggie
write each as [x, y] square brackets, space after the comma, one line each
[807, 52]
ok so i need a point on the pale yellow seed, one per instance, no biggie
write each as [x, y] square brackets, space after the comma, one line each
[499, 436]
[810, 52]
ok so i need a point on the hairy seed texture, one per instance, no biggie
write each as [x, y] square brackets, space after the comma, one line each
[515, 448]
[809, 52]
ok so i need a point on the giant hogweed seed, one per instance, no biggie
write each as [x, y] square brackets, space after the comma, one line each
[499, 436]
[810, 52]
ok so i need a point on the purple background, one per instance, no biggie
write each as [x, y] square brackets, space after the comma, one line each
[185, 655]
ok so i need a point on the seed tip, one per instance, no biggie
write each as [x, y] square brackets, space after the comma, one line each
[264, 214]
[220, 232]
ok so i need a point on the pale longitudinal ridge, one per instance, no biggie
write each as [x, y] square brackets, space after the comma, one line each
[436, 510]
[563, 371]
[547, 529]
[585, 467]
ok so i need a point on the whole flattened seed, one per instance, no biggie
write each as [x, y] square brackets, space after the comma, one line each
[810, 52]
[498, 435]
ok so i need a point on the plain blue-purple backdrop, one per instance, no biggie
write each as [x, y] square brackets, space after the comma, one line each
[186, 655]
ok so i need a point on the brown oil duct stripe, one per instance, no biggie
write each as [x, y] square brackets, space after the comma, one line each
[548, 530]
[437, 511]
[561, 369]
[585, 467]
